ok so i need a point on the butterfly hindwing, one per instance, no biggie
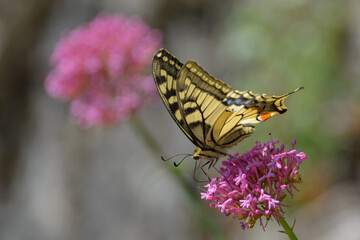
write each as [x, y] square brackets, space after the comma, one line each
[247, 109]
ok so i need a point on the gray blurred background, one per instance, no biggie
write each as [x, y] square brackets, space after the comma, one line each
[58, 181]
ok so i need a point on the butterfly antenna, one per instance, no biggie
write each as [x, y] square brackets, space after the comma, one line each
[178, 164]
[167, 159]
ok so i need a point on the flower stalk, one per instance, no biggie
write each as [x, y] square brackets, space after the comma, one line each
[287, 229]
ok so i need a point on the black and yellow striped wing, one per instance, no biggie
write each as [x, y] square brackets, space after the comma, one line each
[208, 111]
[165, 69]
[200, 99]
[244, 110]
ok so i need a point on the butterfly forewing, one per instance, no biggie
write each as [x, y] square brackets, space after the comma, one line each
[165, 68]
[201, 96]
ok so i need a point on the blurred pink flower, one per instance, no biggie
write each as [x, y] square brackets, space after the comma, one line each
[254, 184]
[102, 67]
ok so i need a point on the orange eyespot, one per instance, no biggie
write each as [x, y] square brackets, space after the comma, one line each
[263, 116]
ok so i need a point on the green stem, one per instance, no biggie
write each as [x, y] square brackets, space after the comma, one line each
[205, 219]
[288, 230]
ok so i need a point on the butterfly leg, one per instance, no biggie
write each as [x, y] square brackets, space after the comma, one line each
[209, 164]
[213, 163]
[194, 174]
[202, 169]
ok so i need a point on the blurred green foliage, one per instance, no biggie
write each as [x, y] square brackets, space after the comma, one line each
[281, 45]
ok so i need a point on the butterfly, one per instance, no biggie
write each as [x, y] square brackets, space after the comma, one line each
[210, 113]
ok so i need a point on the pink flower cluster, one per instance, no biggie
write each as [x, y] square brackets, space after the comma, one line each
[103, 69]
[254, 184]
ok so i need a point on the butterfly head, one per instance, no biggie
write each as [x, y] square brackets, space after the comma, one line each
[206, 155]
